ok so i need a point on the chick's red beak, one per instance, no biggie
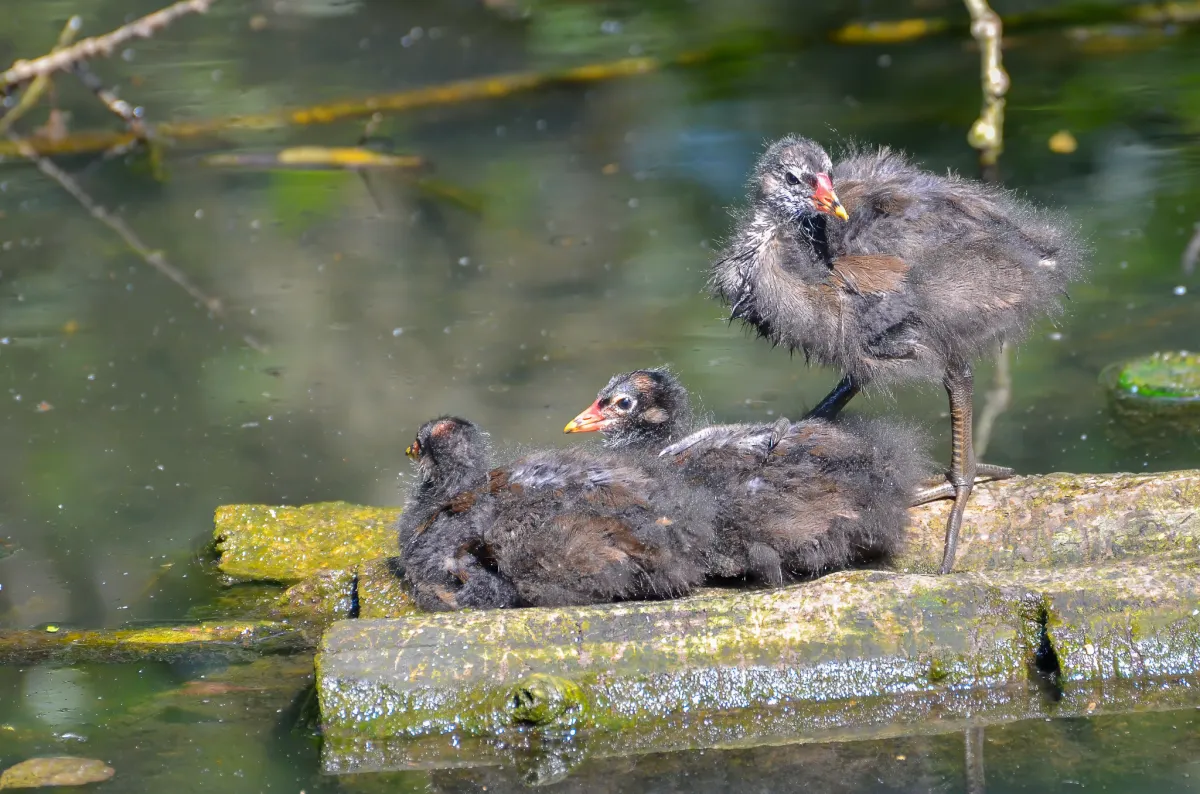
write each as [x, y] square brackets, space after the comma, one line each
[589, 421]
[825, 200]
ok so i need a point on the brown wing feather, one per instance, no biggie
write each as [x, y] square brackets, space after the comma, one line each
[857, 195]
[874, 273]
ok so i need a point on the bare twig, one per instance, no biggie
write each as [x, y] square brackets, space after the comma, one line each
[996, 402]
[155, 259]
[24, 71]
[40, 83]
[119, 107]
[987, 133]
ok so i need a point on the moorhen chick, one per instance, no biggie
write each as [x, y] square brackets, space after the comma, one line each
[441, 539]
[794, 499]
[899, 274]
[553, 528]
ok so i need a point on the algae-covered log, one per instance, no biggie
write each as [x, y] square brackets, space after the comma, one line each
[1024, 522]
[856, 635]
[1052, 520]
[287, 544]
[855, 653]
[232, 639]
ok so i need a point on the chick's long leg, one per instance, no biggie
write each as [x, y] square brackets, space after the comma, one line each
[960, 388]
[836, 400]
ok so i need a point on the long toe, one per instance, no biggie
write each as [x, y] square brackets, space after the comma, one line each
[942, 487]
[992, 472]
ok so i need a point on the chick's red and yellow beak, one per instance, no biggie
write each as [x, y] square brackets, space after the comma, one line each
[825, 200]
[589, 421]
[413, 450]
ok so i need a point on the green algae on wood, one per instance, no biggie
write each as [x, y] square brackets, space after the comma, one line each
[380, 590]
[287, 544]
[323, 597]
[1054, 520]
[1024, 522]
[862, 653]
[861, 634]
[1137, 622]
[220, 639]
[374, 589]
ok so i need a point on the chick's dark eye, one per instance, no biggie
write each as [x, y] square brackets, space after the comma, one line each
[624, 403]
[791, 178]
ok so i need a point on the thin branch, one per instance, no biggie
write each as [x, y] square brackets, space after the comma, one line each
[987, 133]
[24, 71]
[996, 402]
[155, 259]
[40, 83]
[117, 106]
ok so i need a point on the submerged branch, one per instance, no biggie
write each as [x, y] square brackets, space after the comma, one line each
[996, 401]
[1191, 254]
[156, 259]
[230, 639]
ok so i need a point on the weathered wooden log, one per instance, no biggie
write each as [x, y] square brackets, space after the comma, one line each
[1025, 522]
[287, 544]
[1052, 520]
[855, 653]
[217, 639]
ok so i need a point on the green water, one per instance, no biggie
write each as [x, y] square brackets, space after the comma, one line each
[383, 305]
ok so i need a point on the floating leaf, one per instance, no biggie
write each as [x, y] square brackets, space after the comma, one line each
[63, 770]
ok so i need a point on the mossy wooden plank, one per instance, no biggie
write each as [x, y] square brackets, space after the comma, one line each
[852, 635]
[322, 598]
[861, 653]
[227, 639]
[1054, 520]
[1140, 623]
[381, 592]
[542, 756]
[287, 544]
[1022, 523]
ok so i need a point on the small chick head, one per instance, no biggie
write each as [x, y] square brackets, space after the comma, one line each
[792, 180]
[446, 443]
[640, 406]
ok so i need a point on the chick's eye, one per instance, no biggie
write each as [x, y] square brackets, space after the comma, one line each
[791, 178]
[624, 404]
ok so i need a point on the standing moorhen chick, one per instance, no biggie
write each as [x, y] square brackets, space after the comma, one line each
[793, 498]
[900, 274]
[550, 529]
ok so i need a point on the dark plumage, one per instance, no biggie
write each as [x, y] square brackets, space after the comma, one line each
[550, 529]
[441, 536]
[900, 274]
[794, 499]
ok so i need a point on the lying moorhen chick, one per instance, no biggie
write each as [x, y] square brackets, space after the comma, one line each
[441, 538]
[550, 529]
[794, 498]
[900, 274]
